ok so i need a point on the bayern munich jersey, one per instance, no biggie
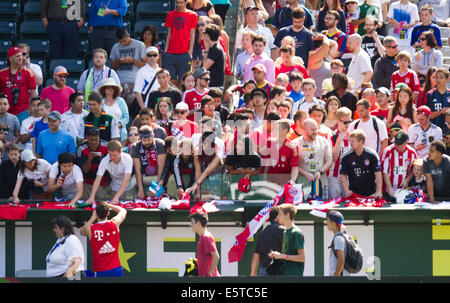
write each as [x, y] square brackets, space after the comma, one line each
[193, 99]
[409, 78]
[397, 165]
[345, 147]
[105, 239]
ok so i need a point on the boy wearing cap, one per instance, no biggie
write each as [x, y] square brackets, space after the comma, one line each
[54, 141]
[259, 56]
[397, 160]
[183, 128]
[146, 79]
[337, 257]
[58, 93]
[18, 84]
[423, 132]
[259, 74]
[9, 125]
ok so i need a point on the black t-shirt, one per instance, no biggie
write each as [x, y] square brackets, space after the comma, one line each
[440, 175]
[217, 70]
[361, 171]
[271, 238]
[173, 93]
[348, 99]
[368, 44]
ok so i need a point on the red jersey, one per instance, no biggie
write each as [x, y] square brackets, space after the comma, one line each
[105, 239]
[24, 79]
[206, 245]
[282, 68]
[410, 78]
[89, 178]
[180, 24]
[186, 131]
[193, 98]
[380, 113]
[397, 165]
[345, 146]
[282, 159]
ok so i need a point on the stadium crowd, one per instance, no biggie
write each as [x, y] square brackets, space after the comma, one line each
[312, 88]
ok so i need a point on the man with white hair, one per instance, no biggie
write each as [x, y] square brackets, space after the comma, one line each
[315, 157]
[360, 68]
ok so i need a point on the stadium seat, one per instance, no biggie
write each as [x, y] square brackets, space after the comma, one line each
[83, 51]
[3, 64]
[8, 30]
[74, 66]
[38, 47]
[70, 81]
[32, 29]
[84, 31]
[9, 11]
[5, 44]
[31, 11]
[147, 9]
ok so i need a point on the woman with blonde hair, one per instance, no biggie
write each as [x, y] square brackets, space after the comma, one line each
[201, 7]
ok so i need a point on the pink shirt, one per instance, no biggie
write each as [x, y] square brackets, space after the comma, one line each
[59, 98]
[266, 61]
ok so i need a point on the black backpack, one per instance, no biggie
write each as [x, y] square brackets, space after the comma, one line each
[354, 256]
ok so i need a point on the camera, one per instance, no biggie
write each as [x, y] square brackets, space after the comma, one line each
[15, 94]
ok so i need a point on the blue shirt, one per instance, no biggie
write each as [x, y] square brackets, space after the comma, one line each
[436, 102]
[51, 145]
[303, 41]
[39, 126]
[108, 20]
[296, 96]
[419, 29]
[283, 17]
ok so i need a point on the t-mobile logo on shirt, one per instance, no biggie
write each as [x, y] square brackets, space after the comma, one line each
[98, 234]
[357, 171]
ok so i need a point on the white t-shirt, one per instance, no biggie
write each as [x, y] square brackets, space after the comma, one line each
[116, 171]
[144, 78]
[339, 244]
[417, 135]
[358, 66]
[74, 123]
[113, 110]
[37, 71]
[371, 134]
[305, 106]
[39, 174]
[403, 12]
[71, 180]
[26, 128]
[59, 260]
[261, 30]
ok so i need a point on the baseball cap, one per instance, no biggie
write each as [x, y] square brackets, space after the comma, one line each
[60, 70]
[182, 106]
[383, 90]
[425, 110]
[259, 67]
[93, 131]
[54, 115]
[349, 1]
[336, 217]
[244, 185]
[250, 8]
[200, 72]
[27, 155]
[13, 51]
[152, 49]
[401, 137]
[400, 86]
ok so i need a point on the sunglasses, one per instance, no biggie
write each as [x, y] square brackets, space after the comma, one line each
[393, 46]
[177, 112]
[423, 39]
[201, 24]
[347, 122]
[206, 79]
[152, 55]
[133, 134]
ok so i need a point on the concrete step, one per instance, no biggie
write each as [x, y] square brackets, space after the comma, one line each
[445, 51]
[445, 32]
[446, 60]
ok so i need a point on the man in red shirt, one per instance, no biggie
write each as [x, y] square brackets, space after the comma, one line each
[181, 24]
[193, 97]
[287, 63]
[382, 94]
[207, 254]
[18, 84]
[104, 237]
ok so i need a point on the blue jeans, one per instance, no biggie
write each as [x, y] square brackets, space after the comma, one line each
[63, 38]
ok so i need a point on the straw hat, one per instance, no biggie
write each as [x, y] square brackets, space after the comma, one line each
[109, 82]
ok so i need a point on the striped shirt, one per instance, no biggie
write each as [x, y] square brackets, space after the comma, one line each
[345, 147]
[396, 164]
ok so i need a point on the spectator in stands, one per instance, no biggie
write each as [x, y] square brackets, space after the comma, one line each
[120, 167]
[149, 36]
[58, 93]
[104, 20]
[54, 141]
[438, 98]
[367, 8]
[252, 21]
[441, 11]
[288, 65]
[295, 83]
[436, 168]
[403, 15]
[360, 68]
[429, 84]
[224, 41]
[297, 129]
[9, 125]
[217, 95]
[278, 93]
[426, 15]
[89, 156]
[62, 26]
[270, 239]
[374, 129]
[28, 124]
[294, 242]
[146, 117]
[18, 84]
[331, 20]
[214, 57]
[283, 16]
[208, 124]
[188, 82]
[193, 97]
[207, 109]
[314, 154]
[114, 105]
[289, 41]
[164, 90]
[33, 176]
[44, 108]
[149, 156]
[99, 119]
[403, 111]
[350, 11]
[200, 7]
[259, 74]
[145, 81]
[383, 96]
[305, 103]
[259, 57]
[66, 180]
[429, 55]
[372, 43]
[72, 120]
[66, 258]
[179, 41]
[164, 113]
[424, 132]
[284, 109]
[331, 107]
[328, 6]
[397, 161]
[8, 174]
[386, 65]
[304, 44]
[106, 263]
[340, 85]
[92, 78]
[317, 113]
[36, 69]
[133, 136]
[247, 51]
[361, 168]
[259, 97]
[127, 57]
[182, 127]
[336, 66]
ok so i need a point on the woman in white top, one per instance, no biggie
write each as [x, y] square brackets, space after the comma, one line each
[33, 174]
[65, 258]
[115, 105]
